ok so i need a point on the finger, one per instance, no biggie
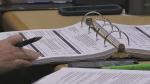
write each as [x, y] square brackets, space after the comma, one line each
[26, 55]
[19, 63]
[19, 55]
[14, 39]
[30, 54]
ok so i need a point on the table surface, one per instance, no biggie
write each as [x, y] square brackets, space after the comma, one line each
[50, 19]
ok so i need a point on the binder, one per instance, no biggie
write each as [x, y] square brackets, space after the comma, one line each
[120, 48]
[91, 40]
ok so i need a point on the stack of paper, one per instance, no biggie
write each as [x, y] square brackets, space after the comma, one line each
[80, 43]
[65, 44]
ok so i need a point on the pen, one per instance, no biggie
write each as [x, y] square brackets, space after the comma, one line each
[28, 41]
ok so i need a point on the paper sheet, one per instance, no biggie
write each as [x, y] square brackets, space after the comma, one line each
[71, 41]
[139, 37]
[96, 76]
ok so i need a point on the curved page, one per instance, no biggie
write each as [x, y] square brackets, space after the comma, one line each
[65, 44]
[139, 37]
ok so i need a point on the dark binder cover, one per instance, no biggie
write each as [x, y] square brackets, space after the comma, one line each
[102, 63]
[110, 9]
[98, 2]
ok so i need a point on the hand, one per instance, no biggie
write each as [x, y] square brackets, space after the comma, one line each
[12, 57]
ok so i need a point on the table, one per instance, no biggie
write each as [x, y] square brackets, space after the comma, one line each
[24, 20]
[49, 19]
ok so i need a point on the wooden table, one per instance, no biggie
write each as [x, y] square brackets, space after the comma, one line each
[49, 19]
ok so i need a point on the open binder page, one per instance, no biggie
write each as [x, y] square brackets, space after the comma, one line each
[96, 76]
[65, 44]
[139, 40]
[145, 29]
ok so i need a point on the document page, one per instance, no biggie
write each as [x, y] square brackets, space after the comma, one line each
[96, 76]
[139, 37]
[69, 41]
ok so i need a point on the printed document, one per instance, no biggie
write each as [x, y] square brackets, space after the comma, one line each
[96, 76]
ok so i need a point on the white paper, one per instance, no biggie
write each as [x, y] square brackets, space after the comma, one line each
[138, 42]
[96, 76]
[72, 42]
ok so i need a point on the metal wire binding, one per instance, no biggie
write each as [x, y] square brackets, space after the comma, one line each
[102, 27]
[113, 32]
[91, 12]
